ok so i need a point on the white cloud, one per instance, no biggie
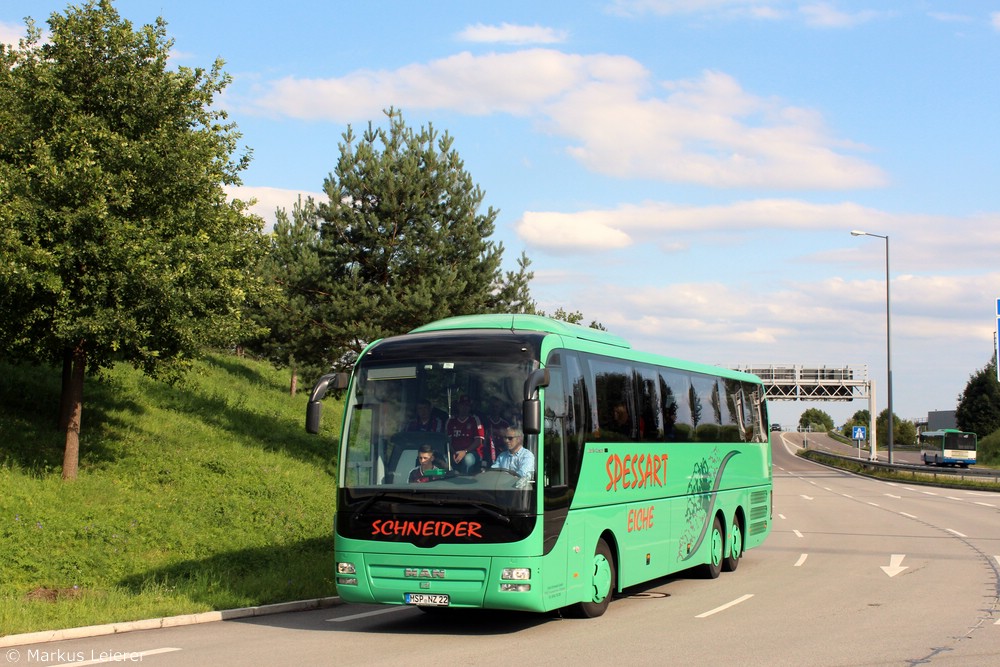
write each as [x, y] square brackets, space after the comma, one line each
[268, 200]
[10, 33]
[516, 83]
[948, 17]
[508, 33]
[707, 131]
[758, 8]
[655, 221]
[825, 15]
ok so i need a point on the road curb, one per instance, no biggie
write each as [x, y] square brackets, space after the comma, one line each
[166, 622]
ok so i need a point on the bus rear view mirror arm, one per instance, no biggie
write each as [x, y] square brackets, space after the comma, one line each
[532, 409]
[315, 407]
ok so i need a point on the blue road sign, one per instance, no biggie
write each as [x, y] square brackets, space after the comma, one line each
[858, 432]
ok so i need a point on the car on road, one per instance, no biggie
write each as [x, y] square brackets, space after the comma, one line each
[775, 427]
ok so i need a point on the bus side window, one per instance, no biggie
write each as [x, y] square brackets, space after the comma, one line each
[555, 424]
[567, 407]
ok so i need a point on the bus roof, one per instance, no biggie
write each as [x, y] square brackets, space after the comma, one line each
[542, 324]
[525, 323]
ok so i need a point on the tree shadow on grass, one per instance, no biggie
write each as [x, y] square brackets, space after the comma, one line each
[268, 431]
[30, 436]
[247, 577]
[251, 375]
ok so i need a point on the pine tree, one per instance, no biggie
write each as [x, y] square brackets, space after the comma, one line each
[403, 241]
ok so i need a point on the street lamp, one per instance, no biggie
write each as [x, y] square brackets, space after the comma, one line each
[888, 335]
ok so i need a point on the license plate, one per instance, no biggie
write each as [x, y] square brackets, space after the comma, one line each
[427, 599]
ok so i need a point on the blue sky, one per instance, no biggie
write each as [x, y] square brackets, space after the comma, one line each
[685, 172]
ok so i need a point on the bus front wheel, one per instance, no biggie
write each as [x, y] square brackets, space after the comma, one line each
[602, 583]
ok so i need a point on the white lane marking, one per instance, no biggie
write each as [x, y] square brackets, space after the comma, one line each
[725, 606]
[955, 532]
[781, 516]
[797, 533]
[366, 614]
[892, 496]
[807, 497]
[801, 560]
[123, 656]
[908, 516]
[976, 502]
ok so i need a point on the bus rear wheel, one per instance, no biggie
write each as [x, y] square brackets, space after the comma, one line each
[732, 561]
[602, 583]
[716, 547]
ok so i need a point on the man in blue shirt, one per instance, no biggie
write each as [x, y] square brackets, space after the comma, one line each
[517, 459]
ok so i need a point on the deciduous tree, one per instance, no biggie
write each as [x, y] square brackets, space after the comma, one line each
[816, 417]
[119, 242]
[979, 403]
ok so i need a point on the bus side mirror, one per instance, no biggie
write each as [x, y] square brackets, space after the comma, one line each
[315, 407]
[531, 413]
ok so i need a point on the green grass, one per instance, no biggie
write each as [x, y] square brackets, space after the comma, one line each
[207, 494]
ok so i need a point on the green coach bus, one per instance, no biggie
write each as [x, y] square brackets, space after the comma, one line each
[519, 462]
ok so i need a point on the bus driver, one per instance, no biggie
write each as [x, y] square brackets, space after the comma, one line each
[517, 459]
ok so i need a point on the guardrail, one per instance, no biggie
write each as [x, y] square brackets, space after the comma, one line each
[917, 472]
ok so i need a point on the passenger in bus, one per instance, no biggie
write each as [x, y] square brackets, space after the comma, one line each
[425, 421]
[428, 464]
[465, 436]
[496, 426]
[620, 427]
[516, 458]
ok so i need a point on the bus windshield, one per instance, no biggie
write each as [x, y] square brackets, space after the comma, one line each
[435, 422]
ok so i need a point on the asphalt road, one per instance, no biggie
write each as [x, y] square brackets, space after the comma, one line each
[856, 572]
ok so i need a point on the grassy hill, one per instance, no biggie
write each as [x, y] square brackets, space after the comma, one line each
[207, 494]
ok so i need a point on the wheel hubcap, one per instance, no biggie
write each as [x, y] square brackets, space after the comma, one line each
[602, 577]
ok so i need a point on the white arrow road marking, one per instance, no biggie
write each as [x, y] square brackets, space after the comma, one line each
[895, 565]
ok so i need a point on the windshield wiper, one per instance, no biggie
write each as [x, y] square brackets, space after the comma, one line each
[479, 506]
[360, 512]
[492, 512]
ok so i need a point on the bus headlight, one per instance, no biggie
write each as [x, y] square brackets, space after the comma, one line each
[516, 573]
[346, 574]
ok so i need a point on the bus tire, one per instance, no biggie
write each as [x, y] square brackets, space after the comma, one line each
[732, 561]
[602, 583]
[716, 547]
